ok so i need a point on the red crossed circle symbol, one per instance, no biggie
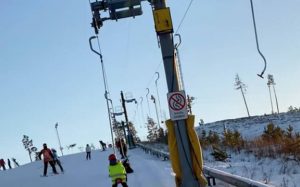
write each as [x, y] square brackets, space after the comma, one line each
[177, 102]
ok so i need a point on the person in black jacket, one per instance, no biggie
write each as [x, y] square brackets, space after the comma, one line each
[103, 145]
[123, 149]
[8, 163]
[16, 164]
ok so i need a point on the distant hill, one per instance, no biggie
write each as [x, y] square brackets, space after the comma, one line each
[251, 127]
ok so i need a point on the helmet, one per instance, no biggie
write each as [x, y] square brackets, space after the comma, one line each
[112, 157]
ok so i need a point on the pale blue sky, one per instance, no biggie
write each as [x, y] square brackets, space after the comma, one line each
[48, 73]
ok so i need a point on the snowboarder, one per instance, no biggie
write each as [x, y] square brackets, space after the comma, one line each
[56, 160]
[88, 152]
[2, 164]
[8, 163]
[48, 158]
[117, 171]
[103, 145]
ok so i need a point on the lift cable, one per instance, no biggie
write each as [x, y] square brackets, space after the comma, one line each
[182, 19]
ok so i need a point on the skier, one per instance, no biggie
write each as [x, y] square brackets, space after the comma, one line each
[103, 145]
[48, 158]
[16, 164]
[88, 152]
[2, 164]
[117, 171]
[8, 163]
[118, 144]
[56, 160]
[123, 149]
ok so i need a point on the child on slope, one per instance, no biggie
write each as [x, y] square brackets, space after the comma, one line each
[117, 171]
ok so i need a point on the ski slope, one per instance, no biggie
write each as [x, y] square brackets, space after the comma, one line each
[148, 172]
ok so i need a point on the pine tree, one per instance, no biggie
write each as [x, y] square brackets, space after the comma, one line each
[233, 139]
[117, 129]
[152, 130]
[219, 154]
[289, 132]
[228, 138]
[239, 85]
[272, 133]
[161, 135]
[203, 134]
[133, 131]
[213, 138]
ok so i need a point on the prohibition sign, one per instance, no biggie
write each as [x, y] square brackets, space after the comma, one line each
[177, 102]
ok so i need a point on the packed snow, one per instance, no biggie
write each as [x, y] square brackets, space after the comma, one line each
[275, 172]
[150, 171]
[79, 172]
[278, 172]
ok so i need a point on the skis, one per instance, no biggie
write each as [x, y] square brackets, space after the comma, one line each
[52, 174]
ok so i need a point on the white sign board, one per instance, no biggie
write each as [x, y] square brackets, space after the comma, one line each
[177, 105]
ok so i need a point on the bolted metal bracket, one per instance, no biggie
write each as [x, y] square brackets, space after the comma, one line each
[117, 9]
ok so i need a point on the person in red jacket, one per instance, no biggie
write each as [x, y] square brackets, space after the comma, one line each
[2, 164]
[48, 158]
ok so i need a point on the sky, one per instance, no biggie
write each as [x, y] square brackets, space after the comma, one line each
[48, 74]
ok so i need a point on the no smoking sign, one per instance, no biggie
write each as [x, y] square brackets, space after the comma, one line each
[177, 105]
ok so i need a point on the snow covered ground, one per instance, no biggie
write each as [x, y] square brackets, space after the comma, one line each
[253, 126]
[276, 172]
[148, 172]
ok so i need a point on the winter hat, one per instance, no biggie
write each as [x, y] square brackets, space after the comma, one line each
[112, 157]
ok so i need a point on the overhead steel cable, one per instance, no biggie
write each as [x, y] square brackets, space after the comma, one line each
[173, 75]
[181, 22]
[257, 44]
[185, 13]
